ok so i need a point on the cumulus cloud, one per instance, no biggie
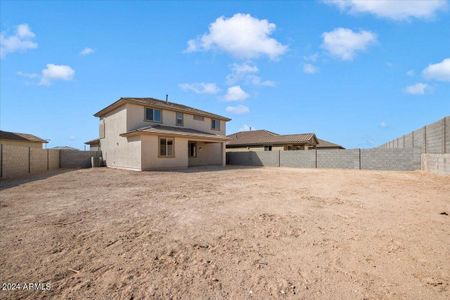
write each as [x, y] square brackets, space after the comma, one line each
[236, 93]
[200, 87]
[247, 73]
[242, 36]
[439, 71]
[417, 89]
[310, 69]
[344, 43]
[56, 72]
[20, 41]
[87, 51]
[239, 109]
[392, 9]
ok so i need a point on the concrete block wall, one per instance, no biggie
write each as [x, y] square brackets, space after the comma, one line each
[297, 159]
[338, 159]
[436, 163]
[77, 159]
[19, 161]
[406, 159]
[368, 159]
[432, 138]
[14, 161]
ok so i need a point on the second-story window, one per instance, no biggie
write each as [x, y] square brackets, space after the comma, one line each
[215, 124]
[180, 121]
[153, 115]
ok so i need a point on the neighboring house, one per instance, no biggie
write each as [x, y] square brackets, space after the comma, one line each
[264, 140]
[94, 145]
[65, 148]
[21, 139]
[327, 145]
[149, 134]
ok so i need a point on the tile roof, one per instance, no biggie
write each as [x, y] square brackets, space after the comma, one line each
[179, 131]
[152, 102]
[326, 144]
[17, 136]
[265, 137]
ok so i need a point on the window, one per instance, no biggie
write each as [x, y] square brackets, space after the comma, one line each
[267, 148]
[192, 149]
[153, 115]
[215, 124]
[199, 118]
[166, 147]
[180, 119]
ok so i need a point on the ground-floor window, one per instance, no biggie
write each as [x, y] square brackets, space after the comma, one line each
[267, 148]
[166, 147]
[192, 149]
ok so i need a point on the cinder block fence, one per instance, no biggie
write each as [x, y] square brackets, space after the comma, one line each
[367, 159]
[17, 161]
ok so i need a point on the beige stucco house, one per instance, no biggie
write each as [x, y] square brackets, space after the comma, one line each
[21, 139]
[152, 134]
[264, 140]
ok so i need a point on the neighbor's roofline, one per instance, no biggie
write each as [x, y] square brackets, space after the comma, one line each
[135, 100]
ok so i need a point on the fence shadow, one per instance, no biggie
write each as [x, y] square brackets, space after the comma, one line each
[10, 183]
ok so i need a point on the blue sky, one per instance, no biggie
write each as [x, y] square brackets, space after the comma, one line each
[356, 73]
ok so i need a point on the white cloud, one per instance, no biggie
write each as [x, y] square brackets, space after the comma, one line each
[343, 43]
[246, 127]
[311, 58]
[247, 73]
[392, 9]
[28, 75]
[439, 71]
[411, 73]
[87, 51]
[242, 36]
[417, 89]
[200, 87]
[383, 124]
[22, 40]
[56, 72]
[310, 69]
[239, 109]
[235, 93]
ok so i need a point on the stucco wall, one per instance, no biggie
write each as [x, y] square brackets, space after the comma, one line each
[120, 152]
[207, 154]
[136, 119]
[151, 159]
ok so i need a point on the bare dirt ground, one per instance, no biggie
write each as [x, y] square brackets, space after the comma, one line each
[233, 233]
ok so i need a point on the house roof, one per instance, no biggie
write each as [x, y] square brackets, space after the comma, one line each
[326, 144]
[175, 131]
[93, 142]
[152, 102]
[17, 136]
[64, 148]
[265, 137]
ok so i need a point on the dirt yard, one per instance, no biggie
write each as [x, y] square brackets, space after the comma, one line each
[233, 233]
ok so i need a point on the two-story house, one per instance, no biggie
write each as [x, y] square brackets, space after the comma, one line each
[151, 134]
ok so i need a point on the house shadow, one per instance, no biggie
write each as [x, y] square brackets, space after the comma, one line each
[10, 183]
